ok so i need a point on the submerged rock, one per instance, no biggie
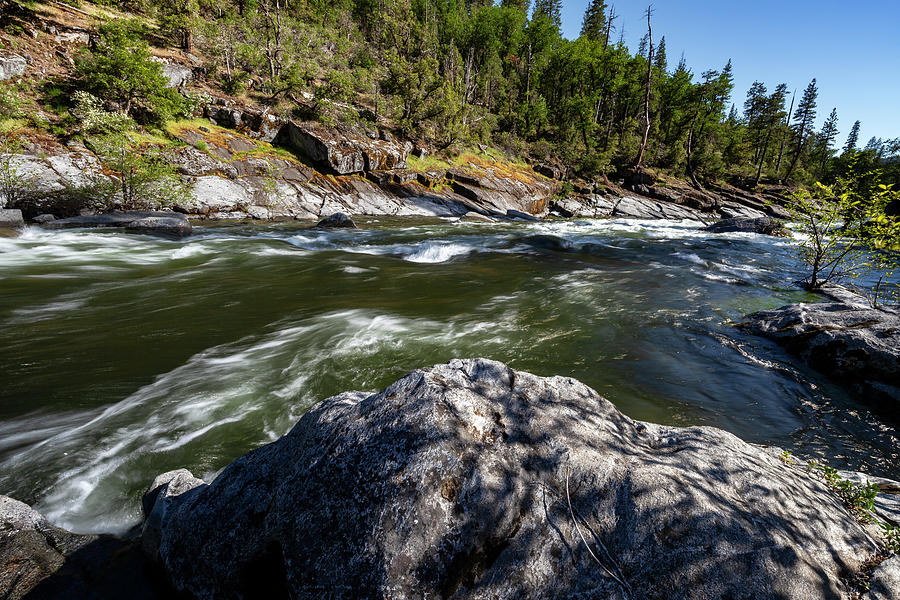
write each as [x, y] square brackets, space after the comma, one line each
[763, 225]
[336, 221]
[472, 480]
[142, 221]
[845, 338]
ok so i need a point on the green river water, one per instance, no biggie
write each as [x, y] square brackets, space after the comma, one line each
[124, 356]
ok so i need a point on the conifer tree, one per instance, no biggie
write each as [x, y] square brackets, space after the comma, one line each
[852, 138]
[594, 24]
[552, 9]
[826, 138]
[803, 121]
[660, 61]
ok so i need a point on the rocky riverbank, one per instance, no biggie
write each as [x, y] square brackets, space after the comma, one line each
[242, 163]
[471, 480]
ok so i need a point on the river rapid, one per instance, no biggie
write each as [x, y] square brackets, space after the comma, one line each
[124, 356]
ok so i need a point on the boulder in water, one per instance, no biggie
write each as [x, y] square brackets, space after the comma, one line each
[166, 223]
[11, 217]
[44, 218]
[31, 549]
[472, 480]
[763, 225]
[337, 221]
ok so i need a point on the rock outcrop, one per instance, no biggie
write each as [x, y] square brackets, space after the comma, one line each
[342, 153]
[641, 208]
[844, 337]
[12, 66]
[472, 480]
[763, 225]
[165, 223]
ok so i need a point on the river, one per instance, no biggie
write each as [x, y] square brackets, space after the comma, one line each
[125, 356]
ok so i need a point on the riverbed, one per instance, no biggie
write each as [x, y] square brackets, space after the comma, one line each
[124, 356]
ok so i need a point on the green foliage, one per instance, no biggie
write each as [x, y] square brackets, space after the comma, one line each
[119, 69]
[846, 230]
[10, 103]
[891, 537]
[95, 118]
[145, 174]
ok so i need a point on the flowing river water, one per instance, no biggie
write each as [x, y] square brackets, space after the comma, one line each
[125, 356]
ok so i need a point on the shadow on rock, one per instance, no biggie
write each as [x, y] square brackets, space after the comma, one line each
[472, 480]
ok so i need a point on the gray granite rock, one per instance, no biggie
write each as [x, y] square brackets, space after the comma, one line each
[472, 480]
[12, 66]
[176, 75]
[642, 208]
[884, 583]
[845, 338]
[11, 217]
[31, 549]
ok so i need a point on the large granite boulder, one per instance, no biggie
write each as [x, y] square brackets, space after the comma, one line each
[472, 480]
[844, 337]
[171, 224]
[763, 225]
[12, 66]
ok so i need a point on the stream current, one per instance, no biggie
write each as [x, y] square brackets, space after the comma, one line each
[124, 356]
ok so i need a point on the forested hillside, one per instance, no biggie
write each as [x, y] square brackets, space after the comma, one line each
[451, 74]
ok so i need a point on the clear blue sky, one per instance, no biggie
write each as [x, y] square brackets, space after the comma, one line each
[851, 48]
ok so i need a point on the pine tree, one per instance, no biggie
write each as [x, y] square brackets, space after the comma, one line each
[660, 61]
[522, 5]
[594, 24]
[803, 120]
[754, 115]
[826, 138]
[552, 9]
[773, 114]
[852, 138]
